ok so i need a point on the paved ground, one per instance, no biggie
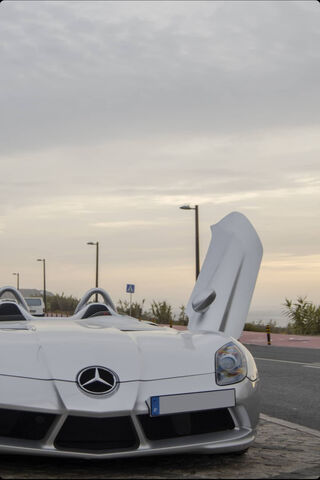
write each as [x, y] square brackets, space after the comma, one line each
[281, 450]
[277, 339]
[281, 340]
[289, 383]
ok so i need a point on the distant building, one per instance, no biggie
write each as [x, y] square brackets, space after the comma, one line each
[33, 292]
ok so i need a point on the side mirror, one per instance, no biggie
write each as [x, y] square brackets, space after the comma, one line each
[202, 302]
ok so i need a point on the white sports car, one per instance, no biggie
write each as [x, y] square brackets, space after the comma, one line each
[99, 384]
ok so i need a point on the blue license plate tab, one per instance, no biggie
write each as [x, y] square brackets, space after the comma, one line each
[155, 406]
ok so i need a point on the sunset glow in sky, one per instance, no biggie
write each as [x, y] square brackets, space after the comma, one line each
[113, 114]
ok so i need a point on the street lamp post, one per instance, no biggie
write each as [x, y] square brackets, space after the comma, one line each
[18, 279]
[97, 264]
[196, 210]
[43, 260]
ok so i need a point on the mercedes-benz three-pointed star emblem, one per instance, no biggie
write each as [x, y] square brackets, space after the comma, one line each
[97, 380]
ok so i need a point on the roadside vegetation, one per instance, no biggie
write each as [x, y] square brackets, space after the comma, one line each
[258, 326]
[60, 304]
[159, 312]
[137, 309]
[303, 315]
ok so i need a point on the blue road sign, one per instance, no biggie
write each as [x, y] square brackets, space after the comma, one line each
[130, 288]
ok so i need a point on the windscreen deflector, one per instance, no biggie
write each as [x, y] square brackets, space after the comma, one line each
[222, 295]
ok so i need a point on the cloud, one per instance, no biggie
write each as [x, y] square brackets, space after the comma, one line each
[126, 224]
[306, 263]
[75, 73]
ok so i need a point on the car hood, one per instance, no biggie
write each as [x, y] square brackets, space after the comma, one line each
[60, 348]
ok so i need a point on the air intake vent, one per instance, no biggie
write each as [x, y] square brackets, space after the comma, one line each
[183, 424]
[24, 425]
[97, 434]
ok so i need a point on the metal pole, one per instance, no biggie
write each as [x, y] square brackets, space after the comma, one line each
[44, 286]
[97, 268]
[196, 211]
[17, 275]
[130, 302]
[197, 241]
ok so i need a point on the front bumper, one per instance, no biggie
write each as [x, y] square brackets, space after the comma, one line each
[59, 408]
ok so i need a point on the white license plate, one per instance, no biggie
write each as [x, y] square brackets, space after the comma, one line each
[191, 402]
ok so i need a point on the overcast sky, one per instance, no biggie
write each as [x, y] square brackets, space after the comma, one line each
[113, 114]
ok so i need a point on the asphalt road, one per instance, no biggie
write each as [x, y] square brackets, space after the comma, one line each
[290, 383]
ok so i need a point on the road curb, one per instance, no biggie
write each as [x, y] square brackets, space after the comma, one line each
[294, 426]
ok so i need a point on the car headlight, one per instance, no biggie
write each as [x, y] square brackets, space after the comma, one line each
[231, 366]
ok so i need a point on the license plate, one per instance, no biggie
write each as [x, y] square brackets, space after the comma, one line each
[191, 402]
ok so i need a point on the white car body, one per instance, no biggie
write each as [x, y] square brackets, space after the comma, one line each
[110, 385]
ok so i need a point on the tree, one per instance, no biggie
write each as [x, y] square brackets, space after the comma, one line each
[304, 316]
[137, 309]
[60, 304]
[162, 312]
[183, 317]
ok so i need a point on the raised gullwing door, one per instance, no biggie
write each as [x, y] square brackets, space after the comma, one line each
[222, 295]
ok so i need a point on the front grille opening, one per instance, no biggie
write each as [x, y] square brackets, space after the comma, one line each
[97, 434]
[24, 425]
[183, 424]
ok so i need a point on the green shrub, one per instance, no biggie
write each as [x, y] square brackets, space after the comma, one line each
[261, 327]
[304, 316]
[136, 311]
[162, 312]
[60, 304]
